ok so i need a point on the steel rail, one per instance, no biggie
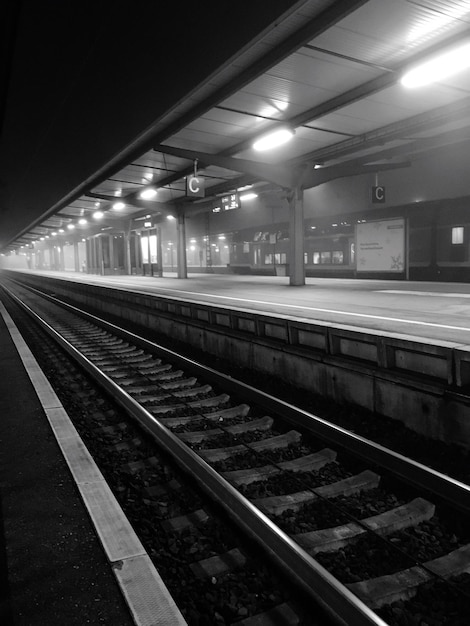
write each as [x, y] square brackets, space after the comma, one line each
[336, 599]
[447, 489]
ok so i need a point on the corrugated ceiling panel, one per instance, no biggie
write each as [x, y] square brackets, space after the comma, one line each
[322, 71]
[385, 107]
[259, 93]
[228, 127]
[202, 142]
[385, 32]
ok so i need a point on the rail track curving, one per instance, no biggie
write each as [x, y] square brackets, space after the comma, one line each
[367, 534]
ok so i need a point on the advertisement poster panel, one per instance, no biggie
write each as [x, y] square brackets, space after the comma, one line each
[380, 246]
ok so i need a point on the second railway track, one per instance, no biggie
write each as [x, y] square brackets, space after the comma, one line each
[365, 532]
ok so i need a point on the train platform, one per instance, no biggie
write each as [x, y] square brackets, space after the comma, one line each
[54, 570]
[428, 311]
[65, 557]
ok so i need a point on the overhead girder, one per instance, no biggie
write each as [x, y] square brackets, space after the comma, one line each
[296, 176]
[387, 79]
[421, 122]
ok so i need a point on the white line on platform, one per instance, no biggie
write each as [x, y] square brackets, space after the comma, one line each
[424, 293]
[319, 310]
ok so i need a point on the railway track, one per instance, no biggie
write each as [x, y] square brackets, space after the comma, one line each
[365, 532]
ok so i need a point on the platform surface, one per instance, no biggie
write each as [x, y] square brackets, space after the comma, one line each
[52, 566]
[429, 310]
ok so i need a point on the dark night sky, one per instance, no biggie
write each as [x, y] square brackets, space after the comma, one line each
[83, 78]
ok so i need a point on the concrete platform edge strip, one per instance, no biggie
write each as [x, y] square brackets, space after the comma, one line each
[141, 585]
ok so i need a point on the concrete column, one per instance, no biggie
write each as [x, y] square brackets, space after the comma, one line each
[76, 261]
[296, 237]
[158, 231]
[181, 247]
[149, 258]
[127, 251]
[100, 257]
[94, 256]
[137, 251]
[54, 253]
[112, 263]
[61, 259]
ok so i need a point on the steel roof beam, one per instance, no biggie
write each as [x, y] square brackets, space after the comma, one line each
[415, 124]
[263, 171]
[364, 90]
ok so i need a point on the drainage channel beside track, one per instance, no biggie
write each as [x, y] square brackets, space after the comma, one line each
[324, 504]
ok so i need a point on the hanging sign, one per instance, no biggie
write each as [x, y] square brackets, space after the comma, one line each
[378, 195]
[195, 186]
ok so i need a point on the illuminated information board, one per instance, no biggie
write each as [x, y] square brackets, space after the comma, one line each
[227, 203]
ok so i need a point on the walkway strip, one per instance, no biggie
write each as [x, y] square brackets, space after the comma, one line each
[146, 595]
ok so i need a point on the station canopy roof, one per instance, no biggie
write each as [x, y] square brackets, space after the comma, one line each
[331, 72]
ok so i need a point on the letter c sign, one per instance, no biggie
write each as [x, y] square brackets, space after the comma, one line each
[378, 195]
[195, 186]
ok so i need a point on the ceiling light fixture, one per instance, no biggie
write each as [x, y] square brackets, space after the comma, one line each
[437, 68]
[70, 226]
[82, 221]
[97, 215]
[148, 194]
[118, 206]
[248, 196]
[274, 139]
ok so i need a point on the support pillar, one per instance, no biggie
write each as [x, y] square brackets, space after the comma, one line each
[158, 231]
[61, 259]
[296, 237]
[94, 251]
[149, 255]
[127, 251]
[181, 247]
[76, 260]
[137, 249]
[100, 257]
[112, 263]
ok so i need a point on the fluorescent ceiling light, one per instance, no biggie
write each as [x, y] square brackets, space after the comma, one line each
[148, 194]
[118, 192]
[82, 221]
[148, 175]
[439, 67]
[170, 217]
[97, 215]
[248, 196]
[274, 139]
[70, 226]
[118, 206]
